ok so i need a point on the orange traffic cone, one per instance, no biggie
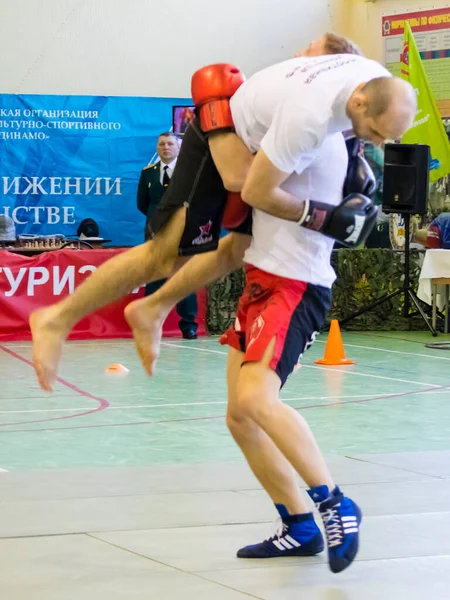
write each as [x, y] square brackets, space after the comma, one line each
[334, 350]
[116, 368]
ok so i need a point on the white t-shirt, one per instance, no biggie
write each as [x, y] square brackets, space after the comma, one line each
[283, 247]
[288, 109]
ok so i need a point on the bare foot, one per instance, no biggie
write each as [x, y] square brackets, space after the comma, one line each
[146, 320]
[48, 340]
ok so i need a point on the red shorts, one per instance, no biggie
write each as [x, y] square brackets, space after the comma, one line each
[291, 311]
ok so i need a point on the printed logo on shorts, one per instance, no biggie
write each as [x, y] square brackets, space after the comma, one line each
[308, 345]
[205, 235]
[256, 330]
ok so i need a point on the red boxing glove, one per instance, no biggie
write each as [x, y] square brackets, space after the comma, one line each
[212, 87]
[236, 211]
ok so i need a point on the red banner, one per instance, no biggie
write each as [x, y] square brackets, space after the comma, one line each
[27, 283]
[425, 20]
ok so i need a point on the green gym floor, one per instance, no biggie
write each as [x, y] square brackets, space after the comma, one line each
[119, 487]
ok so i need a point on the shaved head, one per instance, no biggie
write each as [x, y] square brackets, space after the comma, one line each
[385, 92]
[383, 108]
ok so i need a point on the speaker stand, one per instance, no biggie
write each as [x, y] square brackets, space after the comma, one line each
[407, 290]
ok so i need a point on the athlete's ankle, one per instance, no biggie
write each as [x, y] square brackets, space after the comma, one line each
[285, 513]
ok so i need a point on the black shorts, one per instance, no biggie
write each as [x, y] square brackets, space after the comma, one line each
[197, 185]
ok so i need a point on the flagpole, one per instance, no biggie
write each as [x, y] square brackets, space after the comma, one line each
[406, 281]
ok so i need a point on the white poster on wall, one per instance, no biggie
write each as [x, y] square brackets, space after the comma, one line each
[431, 29]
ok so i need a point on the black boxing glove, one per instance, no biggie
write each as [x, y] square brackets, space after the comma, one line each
[349, 223]
[360, 178]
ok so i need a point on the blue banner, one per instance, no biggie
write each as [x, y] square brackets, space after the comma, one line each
[66, 158]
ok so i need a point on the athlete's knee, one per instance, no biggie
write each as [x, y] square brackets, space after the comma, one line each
[257, 392]
[163, 247]
[236, 421]
[239, 424]
[251, 400]
[163, 256]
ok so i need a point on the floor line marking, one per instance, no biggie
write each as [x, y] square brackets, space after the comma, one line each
[213, 339]
[322, 368]
[176, 405]
[319, 341]
[435, 385]
[215, 417]
[390, 351]
[102, 403]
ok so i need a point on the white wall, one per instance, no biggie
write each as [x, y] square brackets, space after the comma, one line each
[145, 47]
[361, 20]
[151, 47]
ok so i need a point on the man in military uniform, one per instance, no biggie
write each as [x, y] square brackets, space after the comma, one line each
[154, 179]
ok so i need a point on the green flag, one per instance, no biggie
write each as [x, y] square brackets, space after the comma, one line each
[428, 127]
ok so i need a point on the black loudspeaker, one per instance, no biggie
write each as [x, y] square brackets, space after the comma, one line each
[406, 177]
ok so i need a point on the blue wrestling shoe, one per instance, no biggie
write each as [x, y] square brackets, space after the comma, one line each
[341, 518]
[298, 535]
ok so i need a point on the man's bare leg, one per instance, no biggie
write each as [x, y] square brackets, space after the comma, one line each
[258, 397]
[257, 393]
[299, 535]
[233, 161]
[268, 464]
[50, 326]
[147, 315]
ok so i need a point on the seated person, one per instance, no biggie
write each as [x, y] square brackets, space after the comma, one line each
[436, 235]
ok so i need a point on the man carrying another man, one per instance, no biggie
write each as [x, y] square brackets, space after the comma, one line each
[290, 116]
[293, 105]
[284, 305]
